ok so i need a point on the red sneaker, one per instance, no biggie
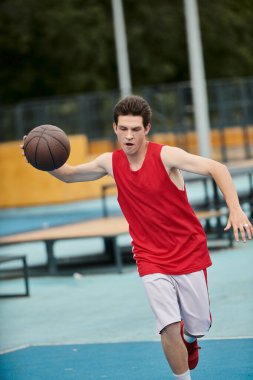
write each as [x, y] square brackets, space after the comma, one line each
[192, 348]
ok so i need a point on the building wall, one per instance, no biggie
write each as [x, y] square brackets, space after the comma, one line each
[22, 185]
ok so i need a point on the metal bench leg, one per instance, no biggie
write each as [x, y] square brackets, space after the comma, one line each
[25, 271]
[25, 276]
[51, 261]
[117, 255]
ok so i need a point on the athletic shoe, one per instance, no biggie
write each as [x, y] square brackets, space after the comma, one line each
[192, 348]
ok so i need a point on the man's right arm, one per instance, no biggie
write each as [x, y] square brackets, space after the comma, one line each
[90, 171]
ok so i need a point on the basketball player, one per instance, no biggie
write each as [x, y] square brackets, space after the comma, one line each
[169, 244]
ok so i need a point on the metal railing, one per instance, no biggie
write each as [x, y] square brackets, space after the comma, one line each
[230, 104]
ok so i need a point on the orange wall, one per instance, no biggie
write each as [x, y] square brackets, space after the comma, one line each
[22, 185]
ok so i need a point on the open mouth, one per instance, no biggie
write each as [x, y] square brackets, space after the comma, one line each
[129, 144]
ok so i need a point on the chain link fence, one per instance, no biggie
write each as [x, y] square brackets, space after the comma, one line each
[230, 104]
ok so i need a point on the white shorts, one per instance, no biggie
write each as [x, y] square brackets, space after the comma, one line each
[173, 298]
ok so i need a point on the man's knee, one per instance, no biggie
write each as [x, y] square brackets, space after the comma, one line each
[171, 332]
[170, 328]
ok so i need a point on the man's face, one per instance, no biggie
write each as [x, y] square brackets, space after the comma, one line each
[131, 133]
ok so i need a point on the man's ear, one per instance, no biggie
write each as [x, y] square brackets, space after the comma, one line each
[114, 127]
[147, 129]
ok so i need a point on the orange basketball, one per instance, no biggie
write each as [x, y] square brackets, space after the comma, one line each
[47, 147]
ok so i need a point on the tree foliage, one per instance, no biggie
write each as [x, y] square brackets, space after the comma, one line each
[67, 46]
[55, 47]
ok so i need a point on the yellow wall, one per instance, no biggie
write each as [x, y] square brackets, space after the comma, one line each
[22, 185]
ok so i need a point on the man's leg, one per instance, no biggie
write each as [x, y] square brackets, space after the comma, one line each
[162, 295]
[195, 311]
[175, 351]
[191, 344]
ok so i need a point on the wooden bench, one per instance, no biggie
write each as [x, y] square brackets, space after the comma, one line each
[5, 259]
[107, 228]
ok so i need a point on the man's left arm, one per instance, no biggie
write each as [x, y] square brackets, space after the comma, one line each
[238, 220]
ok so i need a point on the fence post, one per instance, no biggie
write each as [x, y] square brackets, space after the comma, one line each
[18, 120]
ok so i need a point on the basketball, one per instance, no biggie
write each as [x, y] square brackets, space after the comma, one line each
[46, 147]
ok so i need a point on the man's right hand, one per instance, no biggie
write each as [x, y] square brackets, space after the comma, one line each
[22, 148]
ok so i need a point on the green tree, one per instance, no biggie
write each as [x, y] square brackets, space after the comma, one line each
[55, 47]
[58, 47]
[157, 43]
[227, 34]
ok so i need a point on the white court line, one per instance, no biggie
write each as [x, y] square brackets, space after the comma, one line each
[227, 337]
[116, 342]
[8, 350]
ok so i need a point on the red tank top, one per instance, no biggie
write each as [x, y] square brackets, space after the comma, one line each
[167, 236]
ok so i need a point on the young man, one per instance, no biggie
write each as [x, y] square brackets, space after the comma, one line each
[169, 244]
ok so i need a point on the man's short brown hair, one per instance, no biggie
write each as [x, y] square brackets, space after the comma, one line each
[133, 105]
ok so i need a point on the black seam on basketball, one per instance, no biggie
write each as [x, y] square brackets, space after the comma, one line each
[37, 130]
[59, 141]
[35, 153]
[54, 130]
[40, 137]
[26, 144]
[51, 154]
[48, 134]
[43, 130]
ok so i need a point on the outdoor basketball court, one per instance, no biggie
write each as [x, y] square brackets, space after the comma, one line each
[229, 359]
[99, 326]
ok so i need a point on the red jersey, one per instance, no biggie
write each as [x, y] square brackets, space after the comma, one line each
[167, 236]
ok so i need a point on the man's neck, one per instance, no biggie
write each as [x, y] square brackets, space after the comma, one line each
[136, 160]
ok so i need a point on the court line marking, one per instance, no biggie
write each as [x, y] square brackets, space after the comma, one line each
[228, 337]
[9, 350]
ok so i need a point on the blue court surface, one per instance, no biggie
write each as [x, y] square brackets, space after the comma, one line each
[228, 359]
[99, 326]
